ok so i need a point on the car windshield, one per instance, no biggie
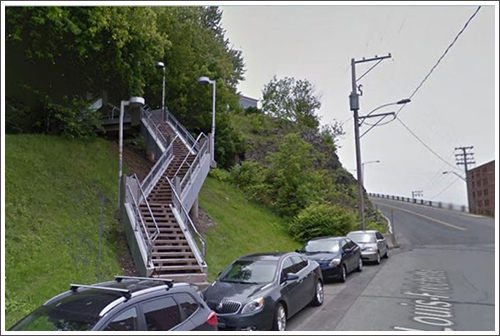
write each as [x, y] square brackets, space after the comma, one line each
[250, 271]
[326, 245]
[73, 313]
[362, 237]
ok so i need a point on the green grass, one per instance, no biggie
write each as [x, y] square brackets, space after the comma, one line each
[241, 226]
[53, 189]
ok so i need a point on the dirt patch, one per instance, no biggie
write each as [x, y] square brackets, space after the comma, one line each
[203, 222]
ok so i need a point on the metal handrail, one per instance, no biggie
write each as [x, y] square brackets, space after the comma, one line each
[176, 200]
[187, 156]
[144, 230]
[196, 162]
[156, 126]
[180, 128]
[167, 154]
[145, 199]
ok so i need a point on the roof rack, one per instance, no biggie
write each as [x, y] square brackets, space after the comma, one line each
[168, 282]
[125, 292]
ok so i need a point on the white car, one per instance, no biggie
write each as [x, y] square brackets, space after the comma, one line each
[373, 245]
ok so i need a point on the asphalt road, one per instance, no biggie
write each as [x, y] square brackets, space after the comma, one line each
[442, 277]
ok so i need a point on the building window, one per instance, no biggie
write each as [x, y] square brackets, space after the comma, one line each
[479, 204]
[479, 183]
[473, 185]
[473, 194]
[485, 192]
[479, 193]
[486, 202]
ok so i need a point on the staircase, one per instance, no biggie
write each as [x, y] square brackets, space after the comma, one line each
[171, 246]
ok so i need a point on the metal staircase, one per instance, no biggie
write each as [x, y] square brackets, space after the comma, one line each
[161, 235]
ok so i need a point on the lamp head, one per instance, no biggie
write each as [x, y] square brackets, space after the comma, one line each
[204, 80]
[160, 65]
[136, 102]
[404, 101]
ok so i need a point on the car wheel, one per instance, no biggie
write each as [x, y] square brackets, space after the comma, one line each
[279, 322]
[386, 255]
[343, 274]
[318, 294]
[360, 265]
[377, 261]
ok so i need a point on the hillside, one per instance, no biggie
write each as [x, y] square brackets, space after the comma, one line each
[53, 192]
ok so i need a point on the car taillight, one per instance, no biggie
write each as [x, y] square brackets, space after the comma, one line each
[212, 319]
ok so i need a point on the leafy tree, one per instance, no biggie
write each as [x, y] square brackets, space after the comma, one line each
[292, 100]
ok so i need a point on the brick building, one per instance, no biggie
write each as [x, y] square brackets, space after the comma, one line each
[482, 189]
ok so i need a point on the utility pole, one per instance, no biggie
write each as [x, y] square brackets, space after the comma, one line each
[354, 105]
[465, 157]
[417, 193]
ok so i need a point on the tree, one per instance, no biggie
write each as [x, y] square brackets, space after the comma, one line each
[292, 100]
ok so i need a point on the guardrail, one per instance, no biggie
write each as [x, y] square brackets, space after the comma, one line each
[195, 165]
[180, 129]
[194, 238]
[155, 172]
[441, 205]
[148, 119]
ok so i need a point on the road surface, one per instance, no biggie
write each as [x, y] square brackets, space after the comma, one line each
[442, 277]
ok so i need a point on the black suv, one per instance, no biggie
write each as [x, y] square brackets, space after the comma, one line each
[125, 304]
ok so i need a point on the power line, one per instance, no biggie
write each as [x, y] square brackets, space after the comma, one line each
[447, 187]
[425, 145]
[440, 58]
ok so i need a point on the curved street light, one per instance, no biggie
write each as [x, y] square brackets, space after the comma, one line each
[204, 81]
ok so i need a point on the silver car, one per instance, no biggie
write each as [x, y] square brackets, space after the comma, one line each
[373, 245]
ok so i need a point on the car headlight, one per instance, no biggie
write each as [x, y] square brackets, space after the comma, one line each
[370, 249]
[253, 306]
[335, 262]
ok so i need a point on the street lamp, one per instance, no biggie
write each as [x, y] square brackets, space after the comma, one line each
[134, 103]
[205, 80]
[357, 124]
[161, 65]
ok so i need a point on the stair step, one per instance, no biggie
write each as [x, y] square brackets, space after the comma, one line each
[165, 269]
[163, 242]
[172, 254]
[175, 262]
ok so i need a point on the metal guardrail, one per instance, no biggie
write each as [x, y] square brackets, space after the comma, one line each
[194, 165]
[138, 218]
[181, 130]
[155, 126]
[441, 205]
[152, 176]
[190, 227]
[185, 162]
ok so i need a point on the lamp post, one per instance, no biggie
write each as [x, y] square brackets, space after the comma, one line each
[133, 103]
[161, 65]
[357, 124]
[205, 80]
[363, 166]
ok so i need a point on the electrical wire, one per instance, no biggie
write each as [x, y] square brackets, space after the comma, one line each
[425, 145]
[447, 187]
[440, 58]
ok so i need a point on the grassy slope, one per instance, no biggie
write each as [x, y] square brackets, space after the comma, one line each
[242, 227]
[53, 189]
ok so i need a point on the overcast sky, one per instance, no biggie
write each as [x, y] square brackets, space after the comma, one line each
[454, 107]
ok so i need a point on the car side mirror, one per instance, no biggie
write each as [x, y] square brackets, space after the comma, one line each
[298, 251]
[291, 277]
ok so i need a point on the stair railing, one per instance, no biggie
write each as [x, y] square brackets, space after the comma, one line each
[155, 126]
[185, 162]
[204, 149]
[158, 169]
[180, 129]
[194, 238]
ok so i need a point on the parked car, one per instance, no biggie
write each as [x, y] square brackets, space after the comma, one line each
[337, 256]
[125, 304]
[373, 245]
[262, 291]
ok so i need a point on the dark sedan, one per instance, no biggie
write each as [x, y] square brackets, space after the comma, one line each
[337, 256]
[261, 291]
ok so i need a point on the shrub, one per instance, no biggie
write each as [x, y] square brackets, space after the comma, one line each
[321, 220]
[220, 175]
